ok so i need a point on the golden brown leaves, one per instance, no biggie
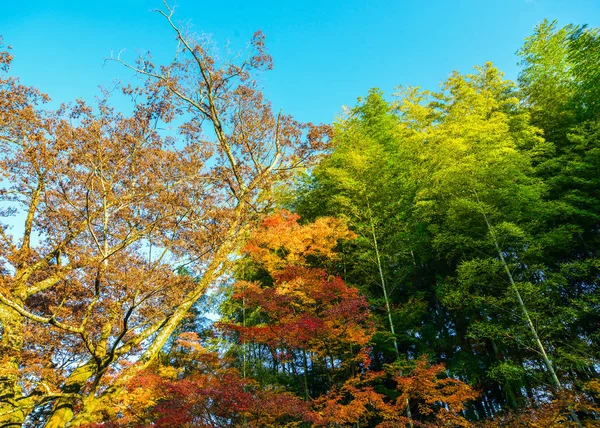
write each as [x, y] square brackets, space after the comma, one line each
[5, 56]
[283, 242]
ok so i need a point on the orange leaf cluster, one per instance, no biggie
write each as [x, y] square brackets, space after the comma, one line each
[305, 307]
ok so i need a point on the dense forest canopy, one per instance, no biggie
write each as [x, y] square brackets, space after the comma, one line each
[430, 259]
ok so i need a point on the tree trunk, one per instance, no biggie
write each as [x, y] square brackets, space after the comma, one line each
[62, 412]
[305, 367]
[387, 304]
[529, 322]
[11, 343]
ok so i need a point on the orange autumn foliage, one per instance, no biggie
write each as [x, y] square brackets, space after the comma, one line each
[438, 398]
[283, 242]
[354, 402]
[305, 307]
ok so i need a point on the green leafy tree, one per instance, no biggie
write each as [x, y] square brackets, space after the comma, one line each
[561, 80]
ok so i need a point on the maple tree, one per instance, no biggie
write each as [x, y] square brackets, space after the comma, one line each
[299, 311]
[355, 402]
[438, 399]
[364, 399]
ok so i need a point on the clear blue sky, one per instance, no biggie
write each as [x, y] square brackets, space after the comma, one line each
[326, 53]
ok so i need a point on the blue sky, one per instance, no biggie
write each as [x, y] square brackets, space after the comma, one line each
[326, 53]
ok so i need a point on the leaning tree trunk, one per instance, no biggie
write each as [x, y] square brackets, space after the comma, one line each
[62, 412]
[540, 346]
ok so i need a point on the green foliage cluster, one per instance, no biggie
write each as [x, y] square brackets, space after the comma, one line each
[477, 214]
